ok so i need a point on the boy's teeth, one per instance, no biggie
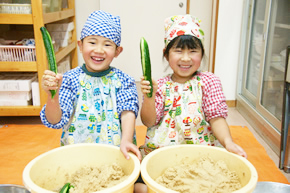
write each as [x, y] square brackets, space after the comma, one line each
[98, 59]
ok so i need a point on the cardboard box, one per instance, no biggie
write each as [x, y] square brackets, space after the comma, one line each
[15, 102]
[15, 95]
[35, 93]
[60, 27]
[16, 81]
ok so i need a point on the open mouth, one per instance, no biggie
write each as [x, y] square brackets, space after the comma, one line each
[98, 59]
[185, 67]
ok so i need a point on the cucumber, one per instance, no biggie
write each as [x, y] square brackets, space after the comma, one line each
[65, 188]
[49, 53]
[146, 64]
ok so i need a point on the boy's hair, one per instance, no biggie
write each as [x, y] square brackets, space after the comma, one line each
[184, 41]
[103, 24]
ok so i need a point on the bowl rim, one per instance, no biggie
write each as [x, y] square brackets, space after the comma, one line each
[148, 179]
[13, 185]
[128, 182]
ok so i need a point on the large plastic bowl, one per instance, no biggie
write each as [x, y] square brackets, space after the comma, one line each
[156, 162]
[12, 188]
[51, 167]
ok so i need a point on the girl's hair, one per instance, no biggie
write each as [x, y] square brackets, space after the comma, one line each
[184, 41]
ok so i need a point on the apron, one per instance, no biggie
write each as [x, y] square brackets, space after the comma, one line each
[95, 119]
[183, 121]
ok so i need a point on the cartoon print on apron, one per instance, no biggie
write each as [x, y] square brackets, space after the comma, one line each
[95, 119]
[183, 120]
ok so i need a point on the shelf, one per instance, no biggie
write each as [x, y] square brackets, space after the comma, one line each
[6, 18]
[64, 51]
[38, 19]
[18, 66]
[57, 16]
[20, 110]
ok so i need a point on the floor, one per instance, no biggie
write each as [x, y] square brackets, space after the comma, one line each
[234, 118]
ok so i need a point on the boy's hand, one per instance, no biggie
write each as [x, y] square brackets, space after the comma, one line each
[51, 81]
[127, 146]
[145, 86]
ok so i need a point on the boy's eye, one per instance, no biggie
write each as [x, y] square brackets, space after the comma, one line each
[92, 42]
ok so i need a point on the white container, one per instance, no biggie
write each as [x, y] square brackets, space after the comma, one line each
[15, 102]
[60, 27]
[17, 53]
[15, 8]
[52, 166]
[156, 162]
[15, 95]
[16, 82]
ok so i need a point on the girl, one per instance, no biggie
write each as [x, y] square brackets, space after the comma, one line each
[188, 106]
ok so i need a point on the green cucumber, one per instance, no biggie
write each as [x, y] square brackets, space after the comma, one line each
[65, 188]
[49, 53]
[146, 64]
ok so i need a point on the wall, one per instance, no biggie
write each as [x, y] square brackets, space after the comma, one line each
[83, 9]
[203, 10]
[228, 43]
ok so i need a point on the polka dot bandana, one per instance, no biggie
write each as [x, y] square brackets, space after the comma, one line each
[179, 25]
[103, 24]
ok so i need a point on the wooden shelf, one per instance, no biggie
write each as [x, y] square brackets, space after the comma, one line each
[57, 16]
[20, 110]
[38, 19]
[15, 18]
[18, 67]
[6, 18]
[65, 51]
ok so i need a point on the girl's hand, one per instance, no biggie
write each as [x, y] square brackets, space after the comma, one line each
[127, 146]
[234, 148]
[145, 86]
[51, 81]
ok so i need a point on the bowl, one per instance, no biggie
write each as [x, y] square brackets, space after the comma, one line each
[270, 187]
[48, 171]
[12, 188]
[156, 162]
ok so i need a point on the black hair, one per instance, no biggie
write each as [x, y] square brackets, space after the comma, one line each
[184, 41]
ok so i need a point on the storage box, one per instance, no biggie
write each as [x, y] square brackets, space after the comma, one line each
[35, 93]
[16, 81]
[64, 65]
[60, 27]
[15, 95]
[17, 53]
[15, 102]
[15, 8]
[57, 35]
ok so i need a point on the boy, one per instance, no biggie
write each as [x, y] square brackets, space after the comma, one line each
[94, 103]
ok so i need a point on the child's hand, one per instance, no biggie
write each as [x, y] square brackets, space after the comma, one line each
[51, 81]
[145, 86]
[234, 148]
[126, 147]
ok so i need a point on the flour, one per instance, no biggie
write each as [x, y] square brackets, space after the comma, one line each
[202, 176]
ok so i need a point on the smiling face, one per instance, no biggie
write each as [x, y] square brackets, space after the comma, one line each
[184, 56]
[98, 52]
[184, 63]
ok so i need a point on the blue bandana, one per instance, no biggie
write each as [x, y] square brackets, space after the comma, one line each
[103, 24]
